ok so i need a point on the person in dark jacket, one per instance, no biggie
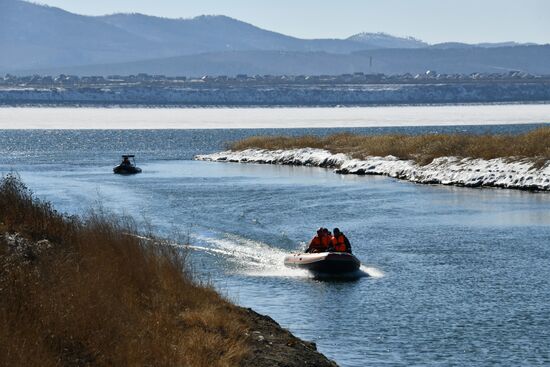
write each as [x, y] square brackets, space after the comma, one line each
[340, 242]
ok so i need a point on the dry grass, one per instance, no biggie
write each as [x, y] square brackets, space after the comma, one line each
[421, 148]
[100, 297]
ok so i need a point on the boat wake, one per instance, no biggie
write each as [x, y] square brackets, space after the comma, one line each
[259, 259]
[247, 256]
[371, 271]
[255, 258]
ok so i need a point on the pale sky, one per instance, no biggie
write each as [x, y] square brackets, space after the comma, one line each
[433, 21]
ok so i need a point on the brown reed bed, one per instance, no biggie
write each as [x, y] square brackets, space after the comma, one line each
[94, 294]
[421, 148]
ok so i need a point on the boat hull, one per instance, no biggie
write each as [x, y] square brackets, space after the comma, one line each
[126, 170]
[324, 262]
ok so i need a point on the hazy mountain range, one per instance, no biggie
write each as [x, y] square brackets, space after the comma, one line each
[36, 38]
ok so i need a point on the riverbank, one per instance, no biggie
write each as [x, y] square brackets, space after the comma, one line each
[89, 291]
[505, 161]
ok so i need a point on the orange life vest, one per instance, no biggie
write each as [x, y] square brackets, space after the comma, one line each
[339, 243]
[319, 243]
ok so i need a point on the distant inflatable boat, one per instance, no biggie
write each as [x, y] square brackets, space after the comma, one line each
[128, 166]
[324, 262]
[128, 170]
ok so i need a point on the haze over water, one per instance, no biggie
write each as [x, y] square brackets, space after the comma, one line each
[457, 276]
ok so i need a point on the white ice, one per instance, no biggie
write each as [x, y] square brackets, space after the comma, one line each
[226, 118]
[500, 172]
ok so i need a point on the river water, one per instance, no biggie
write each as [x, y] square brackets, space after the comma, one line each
[453, 276]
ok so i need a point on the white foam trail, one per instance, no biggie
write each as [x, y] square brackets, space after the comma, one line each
[253, 257]
[371, 271]
[281, 271]
[257, 258]
[254, 253]
[206, 249]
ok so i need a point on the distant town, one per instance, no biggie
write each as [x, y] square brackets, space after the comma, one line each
[430, 76]
[271, 90]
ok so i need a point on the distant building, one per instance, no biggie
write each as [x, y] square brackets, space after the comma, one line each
[431, 74]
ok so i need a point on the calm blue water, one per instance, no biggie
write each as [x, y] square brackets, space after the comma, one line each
[457, 276]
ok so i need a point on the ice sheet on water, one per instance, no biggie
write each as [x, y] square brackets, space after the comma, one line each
[220, 118]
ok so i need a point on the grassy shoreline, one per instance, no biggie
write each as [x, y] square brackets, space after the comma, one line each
[423, 149]
[88, 291]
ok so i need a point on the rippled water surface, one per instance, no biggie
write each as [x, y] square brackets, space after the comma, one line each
[455, 276]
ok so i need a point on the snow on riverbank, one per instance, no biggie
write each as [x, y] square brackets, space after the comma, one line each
[500, 172]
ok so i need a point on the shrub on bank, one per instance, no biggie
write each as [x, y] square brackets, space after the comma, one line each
[89, 292]
[421, 148]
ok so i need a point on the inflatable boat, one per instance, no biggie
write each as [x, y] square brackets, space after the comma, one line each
[128, 166]
[126, 170]
[324, 262]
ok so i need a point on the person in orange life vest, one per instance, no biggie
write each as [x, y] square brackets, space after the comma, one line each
[320, 242]
[326, 239]
[328, 235]
[340, 242]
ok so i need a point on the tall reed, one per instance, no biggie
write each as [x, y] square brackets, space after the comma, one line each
[421, 148]
[95, 294]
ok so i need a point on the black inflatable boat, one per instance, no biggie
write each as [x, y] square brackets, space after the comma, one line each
[324, 262]
[128, 166]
